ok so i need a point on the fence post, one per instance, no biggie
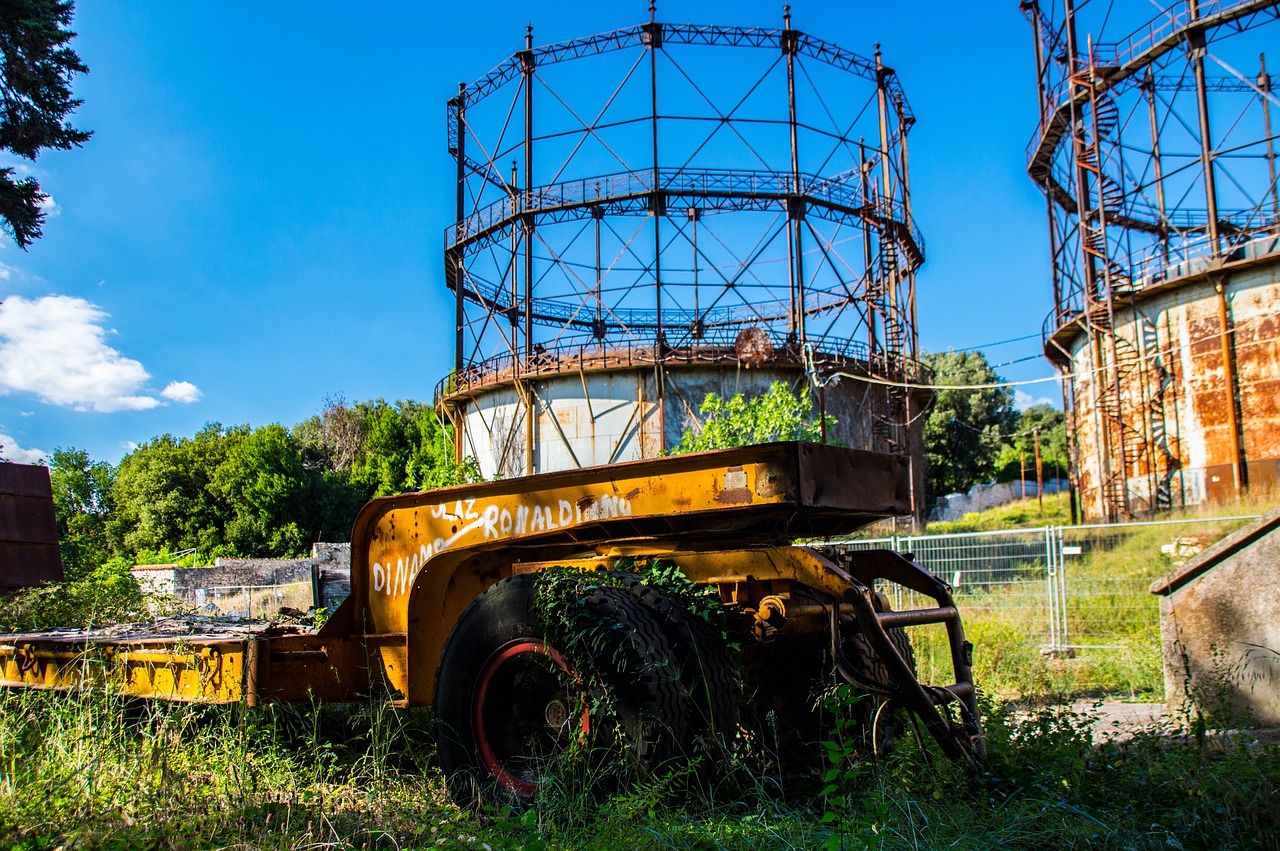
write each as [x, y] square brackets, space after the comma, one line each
[1051, 580]
[1062, 587]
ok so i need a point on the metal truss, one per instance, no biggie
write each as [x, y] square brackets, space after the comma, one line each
[661, 188]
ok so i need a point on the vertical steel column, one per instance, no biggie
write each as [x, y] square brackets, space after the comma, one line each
[527, 68]
[530, 399]
[653, 33]
[795, 206]
[597, 214]
[1239, 470]
[461, 213]
[911, 273]
[864, 169]
[886, 195]
[1074, 93]
[694, 215]
[1196, 43]
[1264, 85]
[1148, 85]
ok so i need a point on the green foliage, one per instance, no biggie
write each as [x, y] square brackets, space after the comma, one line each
[162, 495]
[1021, 449]
[82, 500]
[108, 594]
[962, 434]
[237, 491]
[36, 68]
[778, 414]
[260, 483]
[384, 448]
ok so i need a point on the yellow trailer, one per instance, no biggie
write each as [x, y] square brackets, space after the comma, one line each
[443, 611]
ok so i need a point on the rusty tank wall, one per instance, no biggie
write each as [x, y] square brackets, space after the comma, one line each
[590, 418]
[1183, 392]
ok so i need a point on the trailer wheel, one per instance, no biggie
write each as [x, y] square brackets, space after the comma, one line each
[706, 669]
[877, 710]
[508, 705]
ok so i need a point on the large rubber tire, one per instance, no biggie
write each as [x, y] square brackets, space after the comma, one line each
[877, 712]
[710, 677]
[507, 704]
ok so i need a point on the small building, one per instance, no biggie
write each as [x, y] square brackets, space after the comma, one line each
[1220, 628]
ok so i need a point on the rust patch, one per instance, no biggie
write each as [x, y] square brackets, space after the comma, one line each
[632, 494]
[735, 496]
[586, 502]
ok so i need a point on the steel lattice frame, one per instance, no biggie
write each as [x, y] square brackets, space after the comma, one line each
[1157, 158]
[647, 194]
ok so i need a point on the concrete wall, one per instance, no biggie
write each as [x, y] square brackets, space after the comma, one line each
[235, 585]
[1176, 395]
[1220, 628]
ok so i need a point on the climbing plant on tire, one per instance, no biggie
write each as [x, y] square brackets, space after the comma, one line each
[523, 685]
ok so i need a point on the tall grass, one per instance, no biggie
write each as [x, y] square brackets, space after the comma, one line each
[95, 770]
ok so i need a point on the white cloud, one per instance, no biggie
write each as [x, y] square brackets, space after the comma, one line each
[11, 451]
[181, 391]
[1023, 400]
[51, 208]
[54, 348]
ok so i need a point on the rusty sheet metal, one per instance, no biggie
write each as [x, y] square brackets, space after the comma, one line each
[1181, 398]
[421, 558]
[253, 667]
[28, 533]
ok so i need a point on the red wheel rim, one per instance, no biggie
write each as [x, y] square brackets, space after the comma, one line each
[519, 697]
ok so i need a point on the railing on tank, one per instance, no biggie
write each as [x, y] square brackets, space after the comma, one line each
[717, 346]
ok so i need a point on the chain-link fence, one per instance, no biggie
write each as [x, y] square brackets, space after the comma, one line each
[1077, 594]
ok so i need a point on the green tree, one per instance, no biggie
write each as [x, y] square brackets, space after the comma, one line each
[163, 500]
[260, 483]
[778, 414]
[383, 448]
[82, 500]
[965, 426]
[1020, 448]
[36, 67]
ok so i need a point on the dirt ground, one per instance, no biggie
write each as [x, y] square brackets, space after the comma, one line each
[1117, 720]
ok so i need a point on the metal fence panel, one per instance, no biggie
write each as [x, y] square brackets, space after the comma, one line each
[1067, 588]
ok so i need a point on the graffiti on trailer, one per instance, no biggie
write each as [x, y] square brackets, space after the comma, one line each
[495, 522]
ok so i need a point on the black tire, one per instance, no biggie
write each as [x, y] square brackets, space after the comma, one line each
[877, 710]
[508, 705]
[708, 674]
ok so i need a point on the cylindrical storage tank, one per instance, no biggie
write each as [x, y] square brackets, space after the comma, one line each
[1198, 363]
[1157, 157]
[712, 209]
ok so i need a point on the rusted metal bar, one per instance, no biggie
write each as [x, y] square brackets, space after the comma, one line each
[1239, 472]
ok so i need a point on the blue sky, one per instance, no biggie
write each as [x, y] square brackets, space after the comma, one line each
[257, 222]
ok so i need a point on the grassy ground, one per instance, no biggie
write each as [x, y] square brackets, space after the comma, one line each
[94, 771]
[98, 771]
[1110, 617]
[1056, 511]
